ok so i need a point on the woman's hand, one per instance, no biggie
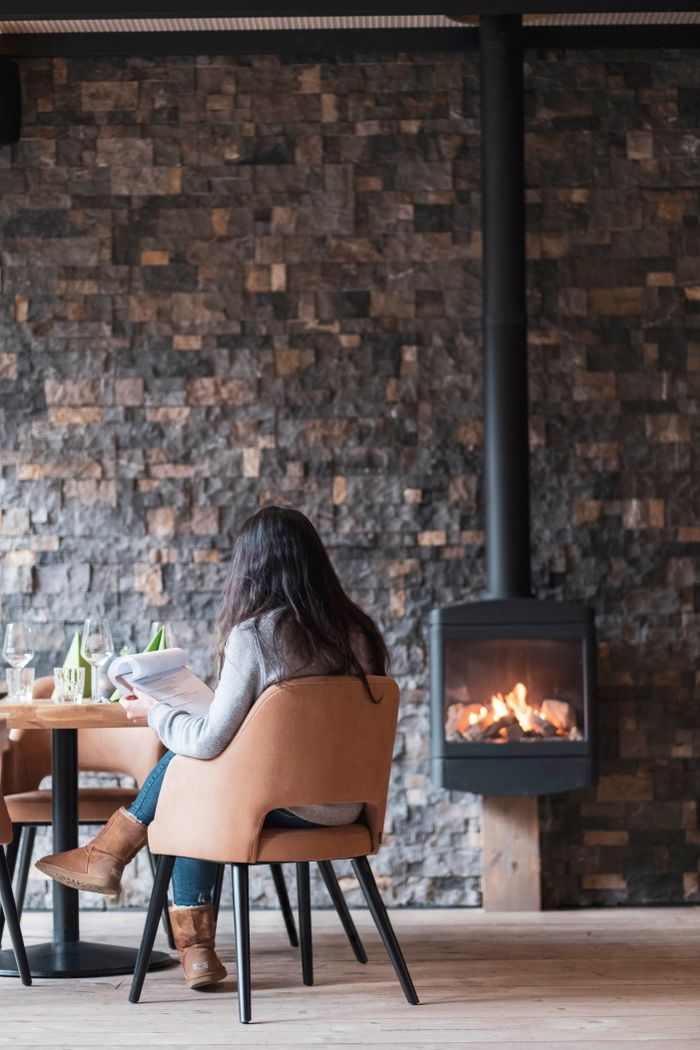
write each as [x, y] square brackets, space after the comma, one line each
[137, 704]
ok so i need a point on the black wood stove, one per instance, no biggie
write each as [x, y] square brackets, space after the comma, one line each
[512, 684]
[512, 679]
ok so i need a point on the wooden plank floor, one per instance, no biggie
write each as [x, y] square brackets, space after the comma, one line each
[608, 979]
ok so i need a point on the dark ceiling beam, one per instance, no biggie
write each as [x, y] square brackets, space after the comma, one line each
[240, 42]
[63, 9]
[317, 41]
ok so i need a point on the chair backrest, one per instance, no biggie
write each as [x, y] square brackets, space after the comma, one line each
[133, 751]
[306, 741]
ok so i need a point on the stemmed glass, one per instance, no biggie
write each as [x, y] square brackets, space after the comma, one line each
[96, 648]
[18, 647]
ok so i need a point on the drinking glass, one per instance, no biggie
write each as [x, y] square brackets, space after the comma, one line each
[155, 627]
[18, 647]
[70, 684]
[96, 648]
[20, 684]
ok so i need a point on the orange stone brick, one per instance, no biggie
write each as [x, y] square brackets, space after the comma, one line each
[72, 391]
[59, 69]
[98, 95]
[187, 342]
[689, 534]
[21, 309]
[340, 490]
[620, 787]
[148, 580]
[606, 838]
[330, 111]
[397, 602]
[640, 145]
[161, 521]
[168, 414]
[587, 511]
[20, 557]
[128, 392]
[66, 416]
[205, 521]
[661, 279]
[220, 391]
[472, 537]
[668, 429]
[251, 462]
[8, 366]
[89, 491]
[603, 882]
[151, 257]
[258, 279]
[619, 301]
[309, 80]
[470, 433]
[219, 222]
[205, 554]
[432, 538]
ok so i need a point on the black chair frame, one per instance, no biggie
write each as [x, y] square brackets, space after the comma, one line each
[239, 874]
[19, 858]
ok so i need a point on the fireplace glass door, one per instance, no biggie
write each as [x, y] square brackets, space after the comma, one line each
[513, 690]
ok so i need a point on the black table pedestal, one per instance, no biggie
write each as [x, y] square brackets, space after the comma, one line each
[68, 956]
[79, 959]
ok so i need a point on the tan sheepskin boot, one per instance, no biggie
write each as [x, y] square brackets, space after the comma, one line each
[98, 865]
[193, 930]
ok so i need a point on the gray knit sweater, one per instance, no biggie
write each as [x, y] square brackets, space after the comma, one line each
[253, 660]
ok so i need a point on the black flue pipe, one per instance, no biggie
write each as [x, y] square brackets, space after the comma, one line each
[506, 451]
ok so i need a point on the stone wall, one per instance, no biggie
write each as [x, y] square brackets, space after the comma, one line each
[230, 280]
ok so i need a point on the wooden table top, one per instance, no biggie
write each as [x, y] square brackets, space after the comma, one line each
[49, 714]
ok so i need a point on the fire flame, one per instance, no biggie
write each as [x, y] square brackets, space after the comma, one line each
[511, 713]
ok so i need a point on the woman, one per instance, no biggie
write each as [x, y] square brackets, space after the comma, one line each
[284, 615]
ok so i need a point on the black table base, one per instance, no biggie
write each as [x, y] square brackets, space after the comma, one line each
[79, 959]
[67, 955]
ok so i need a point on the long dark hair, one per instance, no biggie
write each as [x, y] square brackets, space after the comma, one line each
[279, 563]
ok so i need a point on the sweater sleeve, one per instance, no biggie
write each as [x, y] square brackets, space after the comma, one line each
[240, 684]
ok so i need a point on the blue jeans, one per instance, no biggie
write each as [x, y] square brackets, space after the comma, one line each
[193, 880]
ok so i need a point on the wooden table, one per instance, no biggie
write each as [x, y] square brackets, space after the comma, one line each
[66, 955]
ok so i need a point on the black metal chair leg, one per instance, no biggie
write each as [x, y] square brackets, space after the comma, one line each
[283, 898]
[381, 921]
[8, 907]
[304, 899]
[159, 896]
[165, 917]
[239, 877]
[24, 861]
[11, 851]
[218, 887]
[336, 895]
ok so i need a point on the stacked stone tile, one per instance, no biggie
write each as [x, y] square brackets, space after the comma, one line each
[234, 280]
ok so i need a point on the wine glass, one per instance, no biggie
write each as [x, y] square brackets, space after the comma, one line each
[156, 625]
[18, 647]
[96, 648]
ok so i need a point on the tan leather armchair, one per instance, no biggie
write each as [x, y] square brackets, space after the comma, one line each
[8, 901]
[306, 741]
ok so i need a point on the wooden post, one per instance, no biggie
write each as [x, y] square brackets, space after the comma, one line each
[510, 834]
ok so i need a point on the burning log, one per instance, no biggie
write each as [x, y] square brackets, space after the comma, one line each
[459, 717]
[542, 726]
[560, 714]
[493, 731]
[509, 717]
